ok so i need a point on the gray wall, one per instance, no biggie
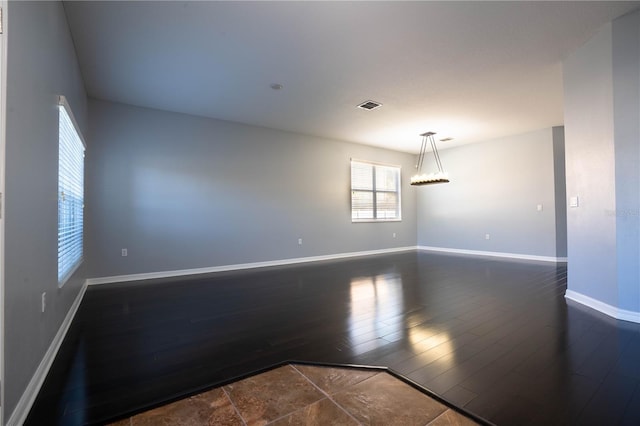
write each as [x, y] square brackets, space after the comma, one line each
[495, 189]
[602, 115]
[182, 192]
[590, 169]
[626, 113]
[41, 65]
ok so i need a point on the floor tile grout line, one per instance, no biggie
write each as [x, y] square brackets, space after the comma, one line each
[294, 411]
[329, 396]
[326, 394]
[301, 408]
[441, 414]
[234, 406]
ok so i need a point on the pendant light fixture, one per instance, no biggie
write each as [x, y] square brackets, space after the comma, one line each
[428, 179]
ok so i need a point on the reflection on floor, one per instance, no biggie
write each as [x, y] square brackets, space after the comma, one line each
[307, 395]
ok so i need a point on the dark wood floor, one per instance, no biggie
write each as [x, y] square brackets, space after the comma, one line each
[495, 337]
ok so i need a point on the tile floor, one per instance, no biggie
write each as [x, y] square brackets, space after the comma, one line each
[307, 395]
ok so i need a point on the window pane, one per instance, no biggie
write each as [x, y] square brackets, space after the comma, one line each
[361, 205]
[387, 205]
[386, 178]
[70, 195]
[361, 176]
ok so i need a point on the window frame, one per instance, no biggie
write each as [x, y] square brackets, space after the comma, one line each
[375, 191]
[64, 275]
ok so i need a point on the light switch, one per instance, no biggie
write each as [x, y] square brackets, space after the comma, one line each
[573, 201]
[539, 207]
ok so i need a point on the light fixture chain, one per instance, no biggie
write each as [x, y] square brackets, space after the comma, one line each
[436, 154]
[423, 149]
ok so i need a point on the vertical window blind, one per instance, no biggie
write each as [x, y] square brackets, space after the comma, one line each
[70, 193]
[375, 192]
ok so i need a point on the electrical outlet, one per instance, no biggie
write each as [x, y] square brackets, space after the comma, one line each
[44, 301]
[394, 235]
[299, 241]
[125, 253]
[487, 236]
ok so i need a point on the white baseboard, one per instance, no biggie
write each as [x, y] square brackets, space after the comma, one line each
[28, 397]
[495, 254]
[605, 308]
[239, 266]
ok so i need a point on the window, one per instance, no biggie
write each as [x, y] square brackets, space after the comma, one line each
[70, 193]
[375, 192]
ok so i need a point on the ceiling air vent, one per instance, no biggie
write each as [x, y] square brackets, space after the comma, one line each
[369, 105]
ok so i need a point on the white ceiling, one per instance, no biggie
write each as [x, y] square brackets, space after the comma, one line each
[468, 70]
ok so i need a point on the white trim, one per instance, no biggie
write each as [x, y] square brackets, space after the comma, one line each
[69, 274]
[28, 397]
[605, 308]
[496, 254]
[374, 220]
[239, 266]
[375, 163]
[63, 102]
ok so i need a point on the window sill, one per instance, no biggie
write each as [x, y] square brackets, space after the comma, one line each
[374, 220]
[70, 273]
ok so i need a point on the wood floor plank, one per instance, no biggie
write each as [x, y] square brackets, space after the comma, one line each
[496, 336]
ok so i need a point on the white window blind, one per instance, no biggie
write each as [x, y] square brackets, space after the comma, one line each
[70, 193]
[375, 192]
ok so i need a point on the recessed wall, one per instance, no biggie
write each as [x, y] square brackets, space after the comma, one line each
[501, 198]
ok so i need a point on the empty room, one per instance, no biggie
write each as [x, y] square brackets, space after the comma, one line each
[349, 213]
